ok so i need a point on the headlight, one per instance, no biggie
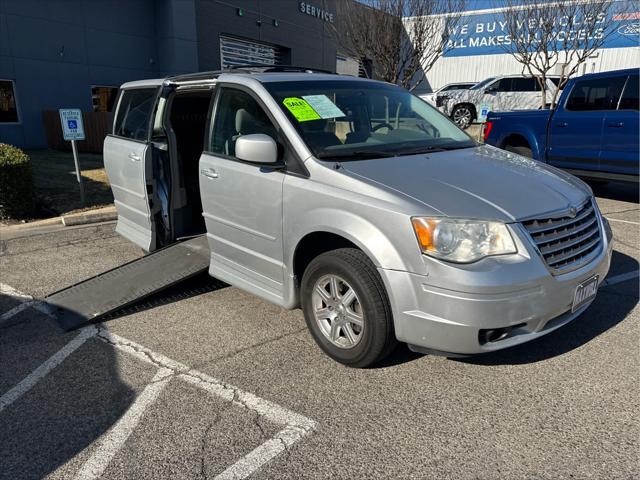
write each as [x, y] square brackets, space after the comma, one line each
[462, 241]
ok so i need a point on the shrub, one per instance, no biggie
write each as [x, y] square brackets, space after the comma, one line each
[16, 184]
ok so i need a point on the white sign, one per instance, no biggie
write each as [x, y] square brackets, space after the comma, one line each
[71, 121]
[323, 106]
[484, 111]
[314, 11]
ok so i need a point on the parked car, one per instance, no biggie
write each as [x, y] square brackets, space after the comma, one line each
[509, 92]
[359, 203]
[593, 131]
[431, 97]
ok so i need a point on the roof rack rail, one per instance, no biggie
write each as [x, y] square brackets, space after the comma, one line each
[248, 68]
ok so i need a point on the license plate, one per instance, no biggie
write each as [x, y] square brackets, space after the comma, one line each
[585, 292]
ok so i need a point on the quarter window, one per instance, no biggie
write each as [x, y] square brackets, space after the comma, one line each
[237, 114]
[134, 113]
[596, 94]
[629, 100]
[8, 104]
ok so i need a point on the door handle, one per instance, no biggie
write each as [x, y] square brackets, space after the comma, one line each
[562, 124]
[616, 124]
[134, 157]
[209, 173]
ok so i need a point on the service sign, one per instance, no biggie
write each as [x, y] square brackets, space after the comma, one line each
[71, 121]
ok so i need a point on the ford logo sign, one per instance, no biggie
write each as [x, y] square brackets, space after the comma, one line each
[630, 29]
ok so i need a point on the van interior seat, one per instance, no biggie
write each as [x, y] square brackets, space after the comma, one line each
[246, 123]
[318, 136]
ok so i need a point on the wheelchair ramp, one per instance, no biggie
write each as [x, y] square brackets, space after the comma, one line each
[112, 290]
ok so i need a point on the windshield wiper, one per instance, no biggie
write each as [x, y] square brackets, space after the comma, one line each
[356, 155]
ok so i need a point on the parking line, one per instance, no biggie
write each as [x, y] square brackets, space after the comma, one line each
[115, 438]
[296, 426]
[39, 373]
[622, 221]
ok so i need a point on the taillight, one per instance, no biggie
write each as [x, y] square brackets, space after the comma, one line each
[487, 129]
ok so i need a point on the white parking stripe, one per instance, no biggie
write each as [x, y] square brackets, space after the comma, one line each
[623, 277]
[40, 372]
[296, 426]
[112, 441]
[622, 221]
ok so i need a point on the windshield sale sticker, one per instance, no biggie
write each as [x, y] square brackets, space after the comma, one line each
[324, 106]
[301, 109]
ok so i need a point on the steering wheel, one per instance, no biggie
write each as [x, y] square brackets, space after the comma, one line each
[382, 125]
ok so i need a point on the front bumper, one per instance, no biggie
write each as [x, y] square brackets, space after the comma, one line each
[446, 309]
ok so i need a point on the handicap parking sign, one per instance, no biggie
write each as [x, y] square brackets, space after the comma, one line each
[484, 111]
[71, 122]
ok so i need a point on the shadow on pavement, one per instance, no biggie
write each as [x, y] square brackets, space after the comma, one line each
[67, 409]
[622, 191]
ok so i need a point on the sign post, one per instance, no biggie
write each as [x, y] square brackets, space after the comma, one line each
[72, 130]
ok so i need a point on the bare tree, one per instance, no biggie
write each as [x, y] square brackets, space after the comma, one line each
[401, 38]
[544, 35]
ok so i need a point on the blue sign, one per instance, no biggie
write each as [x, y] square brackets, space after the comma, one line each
[73, 124]
[488, 33]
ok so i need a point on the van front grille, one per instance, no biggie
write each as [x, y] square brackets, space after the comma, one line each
[569, 241]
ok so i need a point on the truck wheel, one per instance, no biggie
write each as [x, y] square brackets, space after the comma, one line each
[462, 116]
[520, 150]
[346, 308]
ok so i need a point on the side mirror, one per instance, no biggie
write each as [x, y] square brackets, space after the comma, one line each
[257, 148]
[488, 90]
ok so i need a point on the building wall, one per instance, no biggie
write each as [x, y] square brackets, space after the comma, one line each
[308, 38]
[55, 50]
[476, 53]
[476, 68]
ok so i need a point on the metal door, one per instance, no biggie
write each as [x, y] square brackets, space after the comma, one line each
[128, 164]
[242, 202]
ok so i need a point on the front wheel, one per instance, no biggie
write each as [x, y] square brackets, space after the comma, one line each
[346, 308]
[462, 116]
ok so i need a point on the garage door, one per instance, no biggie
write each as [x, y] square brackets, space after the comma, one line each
[237, 51]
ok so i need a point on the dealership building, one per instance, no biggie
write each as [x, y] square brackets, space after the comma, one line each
[74, 53]
[475, 51]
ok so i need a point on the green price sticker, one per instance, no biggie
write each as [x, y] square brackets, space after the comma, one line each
[300, 109]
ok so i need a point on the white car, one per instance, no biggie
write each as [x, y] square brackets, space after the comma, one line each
[503, 93]
[431, 97]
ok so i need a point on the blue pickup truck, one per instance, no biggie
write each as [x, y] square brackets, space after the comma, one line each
[593, 131]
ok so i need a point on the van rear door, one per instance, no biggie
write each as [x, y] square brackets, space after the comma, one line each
[128, 163]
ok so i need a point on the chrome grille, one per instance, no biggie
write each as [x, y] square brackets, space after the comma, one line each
[567, 242]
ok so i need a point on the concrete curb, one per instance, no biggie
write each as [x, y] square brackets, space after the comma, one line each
[92, 216]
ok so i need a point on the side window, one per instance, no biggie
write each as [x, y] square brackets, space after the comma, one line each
[134, 113]
[502, 85]
[237, 114]
[629, 100]
[524, 85]
[596, 94]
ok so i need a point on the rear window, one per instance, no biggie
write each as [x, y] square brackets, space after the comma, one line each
[524, 85]
[596, 94]
[134, 113]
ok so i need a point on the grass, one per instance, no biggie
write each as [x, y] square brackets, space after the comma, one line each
[55, 183]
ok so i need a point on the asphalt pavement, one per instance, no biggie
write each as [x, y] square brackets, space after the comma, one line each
[206, 381]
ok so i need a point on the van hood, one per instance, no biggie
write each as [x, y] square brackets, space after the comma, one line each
[481, 183]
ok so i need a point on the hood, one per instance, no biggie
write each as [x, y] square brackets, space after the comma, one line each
[482, 182]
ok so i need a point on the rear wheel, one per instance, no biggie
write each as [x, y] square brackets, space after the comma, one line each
[520, 150]
[346, 308]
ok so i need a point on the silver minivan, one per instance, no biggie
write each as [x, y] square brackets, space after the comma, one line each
[359, 203]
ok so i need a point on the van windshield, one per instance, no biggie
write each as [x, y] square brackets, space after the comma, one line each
[352, 120]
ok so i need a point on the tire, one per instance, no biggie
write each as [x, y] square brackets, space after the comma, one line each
[520, 150]
[343, 274]
[462, 115]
